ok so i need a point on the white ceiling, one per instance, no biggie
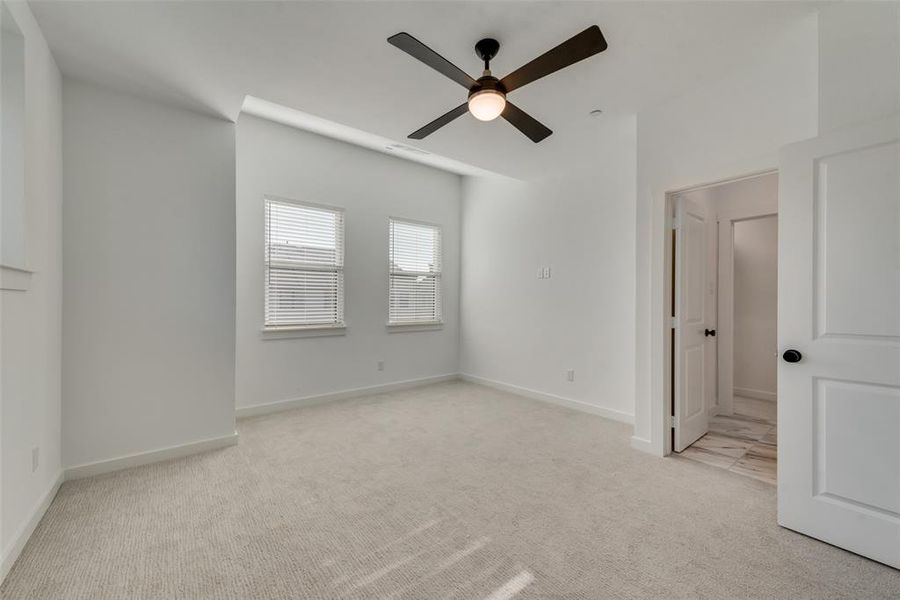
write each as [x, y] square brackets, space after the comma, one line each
[331, 60]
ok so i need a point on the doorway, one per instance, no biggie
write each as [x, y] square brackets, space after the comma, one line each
[724, 312]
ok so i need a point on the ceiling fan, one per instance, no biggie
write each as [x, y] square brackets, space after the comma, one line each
[487, 95]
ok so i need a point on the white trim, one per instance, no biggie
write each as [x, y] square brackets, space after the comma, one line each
[579, 405]
[726, 180]
[725, 292]
[302, 331]
[12, 552]
[242, 412]
[152, 456]
[413, 326]
[437, 226]
[725, 311]
[756, 394]
[14, 279]
[664, 442]
[317, 205]
[644, 445]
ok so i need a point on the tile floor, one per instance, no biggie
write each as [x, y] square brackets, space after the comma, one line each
[743, 443]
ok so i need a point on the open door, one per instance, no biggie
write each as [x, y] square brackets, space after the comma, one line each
[839, 332]
[692, 326]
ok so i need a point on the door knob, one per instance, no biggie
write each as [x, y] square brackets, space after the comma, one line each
[709, 332]
[792, 356]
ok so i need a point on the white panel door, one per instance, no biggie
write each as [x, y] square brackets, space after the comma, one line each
[692, 313]
[839, 307]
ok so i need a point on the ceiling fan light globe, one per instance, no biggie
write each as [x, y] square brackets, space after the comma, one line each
[487, 105]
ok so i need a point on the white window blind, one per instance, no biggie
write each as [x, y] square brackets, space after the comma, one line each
[415, 273]
[304, 248]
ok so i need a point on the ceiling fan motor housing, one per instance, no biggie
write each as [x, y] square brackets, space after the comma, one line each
[487, 83]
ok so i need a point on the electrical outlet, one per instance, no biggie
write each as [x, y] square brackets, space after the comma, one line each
[35, 458]
[546, 272]
[570, 375]
[381, 365]
[540, 272]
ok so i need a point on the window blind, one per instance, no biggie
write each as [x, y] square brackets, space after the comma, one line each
[414, 278]
[304, 255]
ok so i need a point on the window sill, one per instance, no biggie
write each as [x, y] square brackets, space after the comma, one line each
[421, 326]
[302, 331]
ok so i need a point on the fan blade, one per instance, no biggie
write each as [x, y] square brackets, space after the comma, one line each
[439, 122]
[420, 51]
[587, 43]
[525, 122]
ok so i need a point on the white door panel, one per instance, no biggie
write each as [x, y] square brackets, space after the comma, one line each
[692, 314]
[839, 305]
[841, 410]
[866, 219]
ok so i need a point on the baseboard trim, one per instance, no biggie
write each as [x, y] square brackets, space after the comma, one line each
[19, 540]
[606, 413]
[152, 456]
[11, 553]
[643, 444]
[756, 394]
[243, 412]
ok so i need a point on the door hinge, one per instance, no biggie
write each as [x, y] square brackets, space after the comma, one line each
[674, 323]
[675, 224]
[670, 421]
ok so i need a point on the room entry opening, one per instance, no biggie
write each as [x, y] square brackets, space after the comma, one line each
[722, 343]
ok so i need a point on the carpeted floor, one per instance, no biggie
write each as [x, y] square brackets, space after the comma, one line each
[450, 491]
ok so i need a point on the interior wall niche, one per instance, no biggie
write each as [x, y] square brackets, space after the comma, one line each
[12, 143]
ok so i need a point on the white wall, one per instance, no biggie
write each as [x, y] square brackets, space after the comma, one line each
[859, 62]
[12, 146]
[753, 196]
[527, 332]
[755, 306]
[282, 161]
[730, 127]
[148, 289]
[30, 321]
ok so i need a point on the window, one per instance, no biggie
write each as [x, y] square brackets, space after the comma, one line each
[415, 273]
[304, 247]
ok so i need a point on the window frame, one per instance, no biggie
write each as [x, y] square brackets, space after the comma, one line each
[438, 276]
[288, 330]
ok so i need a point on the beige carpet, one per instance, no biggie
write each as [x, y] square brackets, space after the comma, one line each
[449, 491]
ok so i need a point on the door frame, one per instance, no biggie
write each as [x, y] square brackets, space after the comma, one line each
[663, 403]
[725, 312]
